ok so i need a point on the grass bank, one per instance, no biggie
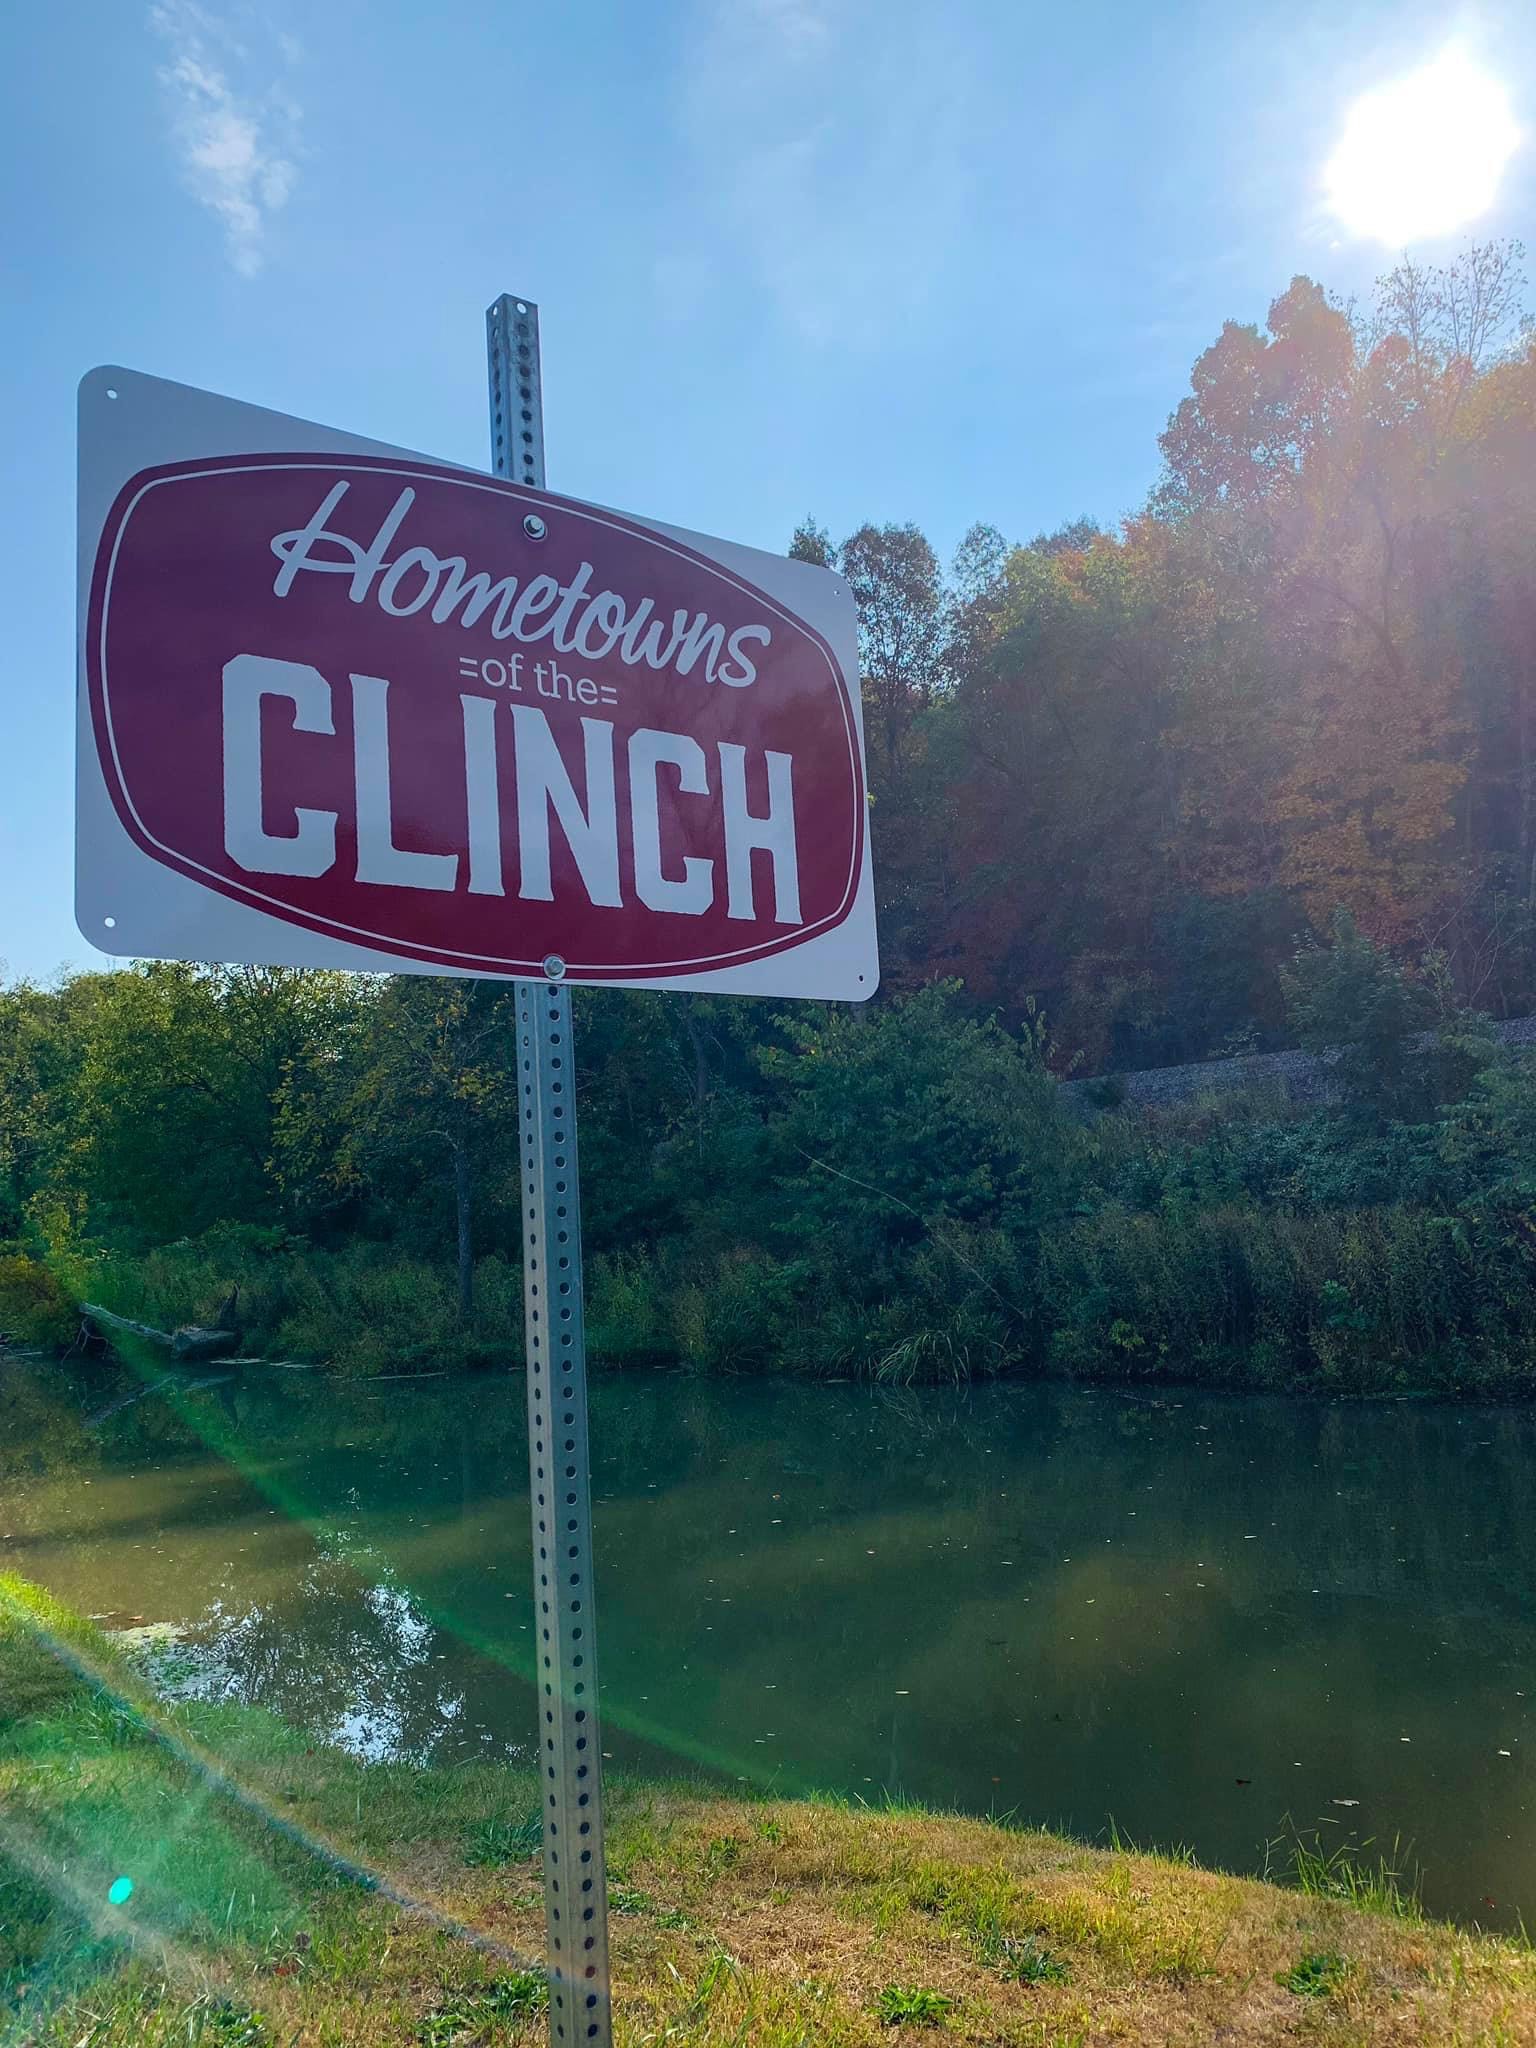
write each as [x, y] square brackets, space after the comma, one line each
[283, 1892]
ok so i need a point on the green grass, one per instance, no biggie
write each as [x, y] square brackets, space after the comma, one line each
[908, 2005]
[363, 1311]
[1317, 1975]
[492, 1844]
[484, 2016]
[1025, 1962]
[1348, 1871]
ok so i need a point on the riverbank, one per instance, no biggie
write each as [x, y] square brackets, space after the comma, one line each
[898, 1195]
[1384, 1301]
[278, 1890]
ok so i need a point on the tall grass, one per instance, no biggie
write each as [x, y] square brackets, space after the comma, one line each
[1339, 1299]
[1347, 1871]
[742, 1310]
[364, 1310]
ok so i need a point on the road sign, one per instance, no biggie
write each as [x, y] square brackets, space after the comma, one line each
[343, 705]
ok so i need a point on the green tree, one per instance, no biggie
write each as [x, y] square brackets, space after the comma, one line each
[1351, 1001]
[169, 1125]
[427, 1091]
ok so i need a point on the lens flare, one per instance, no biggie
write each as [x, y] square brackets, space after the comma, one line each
[120, 1891]
[1423, 155]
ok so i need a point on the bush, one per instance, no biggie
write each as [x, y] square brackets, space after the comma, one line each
[364, 1311]
[35, 1311]
[1354, 1300]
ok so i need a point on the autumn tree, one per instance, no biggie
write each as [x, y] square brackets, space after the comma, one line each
[1260, 401]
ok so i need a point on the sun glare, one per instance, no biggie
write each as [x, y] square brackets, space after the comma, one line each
[1422, 155]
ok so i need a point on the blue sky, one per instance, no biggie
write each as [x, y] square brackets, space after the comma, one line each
[930, 259]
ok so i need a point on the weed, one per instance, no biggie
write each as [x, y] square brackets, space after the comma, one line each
[720, 1970]
[985, 1908]
[221, 2023]
[491, 1844]
[1315, 1975]
[1346, 1872]
[908, 2005]
[1025, 1962]
[472, 2016]
[1176, 1852]
[722, 1854]
[628, 1898]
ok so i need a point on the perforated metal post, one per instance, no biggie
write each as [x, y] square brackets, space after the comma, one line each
[570, 1748]
[517, 390]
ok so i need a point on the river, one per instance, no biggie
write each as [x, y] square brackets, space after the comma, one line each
[1198, 1619]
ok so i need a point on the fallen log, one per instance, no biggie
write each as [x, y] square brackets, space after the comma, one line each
[191, 1343]
[196, 1342]
[113, 1321]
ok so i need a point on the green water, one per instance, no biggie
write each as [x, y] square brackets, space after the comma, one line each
[1197, 1618]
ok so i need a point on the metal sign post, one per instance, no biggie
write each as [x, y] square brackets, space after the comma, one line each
[559, 1475]
[341, 705]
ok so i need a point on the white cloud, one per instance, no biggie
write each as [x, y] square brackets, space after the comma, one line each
[235, 130]
[835, 142]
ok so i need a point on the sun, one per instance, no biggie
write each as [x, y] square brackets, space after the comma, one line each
[1422, 155]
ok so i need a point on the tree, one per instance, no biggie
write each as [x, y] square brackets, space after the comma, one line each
[898, 590]
[170, 1120]
[1351, 999]
[427, 1088]
[1260, 402]
[1451, 321]
[40, 1055]
[812, 543]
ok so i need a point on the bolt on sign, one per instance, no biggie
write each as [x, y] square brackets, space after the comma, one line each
[345, 706]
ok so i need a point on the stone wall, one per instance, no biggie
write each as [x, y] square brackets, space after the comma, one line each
[1298, 1077]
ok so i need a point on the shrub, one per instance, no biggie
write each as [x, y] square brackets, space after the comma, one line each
[35, 1311]
[365, 1311]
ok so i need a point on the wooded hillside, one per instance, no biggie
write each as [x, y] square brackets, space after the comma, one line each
[1257, 769]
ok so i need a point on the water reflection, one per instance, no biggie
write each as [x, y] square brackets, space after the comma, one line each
[1196, 1615]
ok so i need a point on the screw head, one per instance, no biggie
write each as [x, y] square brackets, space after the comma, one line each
[554, 967]
[534, 526]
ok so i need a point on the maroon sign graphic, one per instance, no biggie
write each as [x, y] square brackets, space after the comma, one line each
[438, 716]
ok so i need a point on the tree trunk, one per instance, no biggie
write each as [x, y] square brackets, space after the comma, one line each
[464, 1219]
[700, 1074]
